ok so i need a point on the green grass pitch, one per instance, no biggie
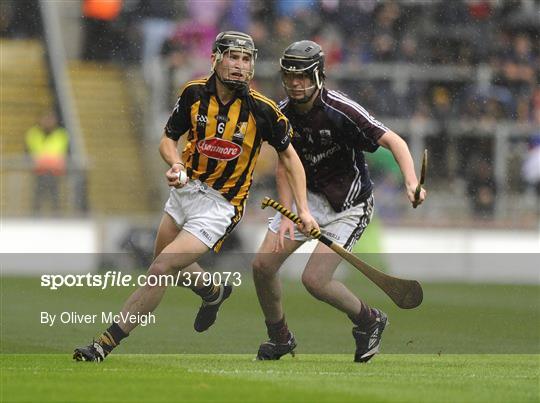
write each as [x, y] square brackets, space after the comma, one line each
[466, 343]
[305, 378]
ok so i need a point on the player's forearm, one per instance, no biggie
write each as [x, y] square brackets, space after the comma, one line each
[283, 189]
[402, 155]
[296, 178]
[168, 149]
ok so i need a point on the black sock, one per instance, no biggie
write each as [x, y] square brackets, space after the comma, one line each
[111, 338]
[208, 292]
[278, 332]
[365, 317]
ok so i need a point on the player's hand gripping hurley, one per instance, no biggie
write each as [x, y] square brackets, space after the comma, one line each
[422, 180]
[406, 294]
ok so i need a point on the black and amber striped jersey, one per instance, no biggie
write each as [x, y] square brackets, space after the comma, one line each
[224, 141]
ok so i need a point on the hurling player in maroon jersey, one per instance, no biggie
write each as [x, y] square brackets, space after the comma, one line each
[331, 133]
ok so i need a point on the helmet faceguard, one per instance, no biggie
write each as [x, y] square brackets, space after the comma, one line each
[302, 58]
[233, 41]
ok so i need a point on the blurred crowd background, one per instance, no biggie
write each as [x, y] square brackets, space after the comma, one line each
[460, 78]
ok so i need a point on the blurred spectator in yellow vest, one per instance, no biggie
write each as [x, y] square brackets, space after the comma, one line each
[48, 145]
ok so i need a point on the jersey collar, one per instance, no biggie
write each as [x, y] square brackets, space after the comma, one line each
[211, 84]
[318, 103]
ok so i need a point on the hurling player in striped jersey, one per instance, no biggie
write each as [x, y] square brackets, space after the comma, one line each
[330, 134]
[225, 122]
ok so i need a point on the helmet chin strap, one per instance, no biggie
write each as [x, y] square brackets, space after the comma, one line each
[306, 97]
[233, 85]
[318, 85]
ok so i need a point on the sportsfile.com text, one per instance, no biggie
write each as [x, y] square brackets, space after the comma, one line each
[118, 279]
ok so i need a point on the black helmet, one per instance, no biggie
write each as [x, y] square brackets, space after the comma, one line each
[304, 57]
[234, 41]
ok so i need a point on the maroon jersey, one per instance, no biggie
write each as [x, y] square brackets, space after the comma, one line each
[330, 140]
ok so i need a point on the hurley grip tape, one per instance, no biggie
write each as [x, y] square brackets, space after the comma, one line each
[315, 233]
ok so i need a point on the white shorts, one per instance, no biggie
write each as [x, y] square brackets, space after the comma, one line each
[203, 212]
[344, 228]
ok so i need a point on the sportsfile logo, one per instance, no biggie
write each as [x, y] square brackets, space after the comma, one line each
[219, 149]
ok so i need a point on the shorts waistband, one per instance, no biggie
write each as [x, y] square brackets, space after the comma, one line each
[197, 185]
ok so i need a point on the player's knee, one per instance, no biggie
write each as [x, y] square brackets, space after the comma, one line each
[313, 284]
[262, 267]
[159, 269]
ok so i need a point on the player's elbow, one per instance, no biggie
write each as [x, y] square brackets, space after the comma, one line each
[391, 140]
[166, 143]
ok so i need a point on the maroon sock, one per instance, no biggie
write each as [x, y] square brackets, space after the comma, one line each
[278, 332]
[366, 316]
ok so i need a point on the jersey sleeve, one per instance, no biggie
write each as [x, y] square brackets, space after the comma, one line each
[367, 130]
[276, 130]
[363, 128]
[180, 120]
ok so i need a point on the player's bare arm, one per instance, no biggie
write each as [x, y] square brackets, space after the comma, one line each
[168, 148]
[297, 183]
[402, 155]
[286, 197]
